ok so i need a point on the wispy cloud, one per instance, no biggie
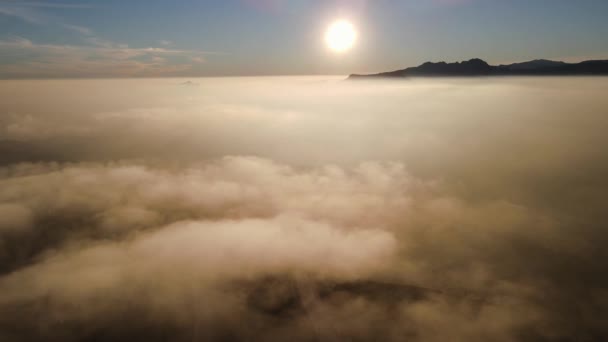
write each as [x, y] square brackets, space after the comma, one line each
[80, 29]
[94, 57]
[100, 59]
[46, 4]
[452, 2]
[23, 13]
[33, 13]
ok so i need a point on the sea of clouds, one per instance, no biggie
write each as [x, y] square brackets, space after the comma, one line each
[304, 209]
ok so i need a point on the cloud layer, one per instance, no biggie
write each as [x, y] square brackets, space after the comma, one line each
[303, 209]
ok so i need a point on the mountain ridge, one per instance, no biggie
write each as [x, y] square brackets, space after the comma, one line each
[479, 67]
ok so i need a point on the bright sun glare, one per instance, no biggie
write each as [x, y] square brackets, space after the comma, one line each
[340, 36]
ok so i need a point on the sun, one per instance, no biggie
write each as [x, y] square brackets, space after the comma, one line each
[340, 36]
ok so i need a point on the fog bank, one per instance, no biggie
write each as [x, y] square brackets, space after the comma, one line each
[303, 209]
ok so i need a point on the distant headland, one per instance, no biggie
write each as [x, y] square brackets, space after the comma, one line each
[478, 67]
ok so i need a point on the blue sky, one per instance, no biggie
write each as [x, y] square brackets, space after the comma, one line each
[113, 38]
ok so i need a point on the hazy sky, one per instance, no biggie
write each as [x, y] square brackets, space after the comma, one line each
[86, 38]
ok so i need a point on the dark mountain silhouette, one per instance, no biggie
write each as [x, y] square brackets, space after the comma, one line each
[535, 64]
[478, 67]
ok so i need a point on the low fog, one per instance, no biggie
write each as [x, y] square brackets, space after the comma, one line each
[304, 209]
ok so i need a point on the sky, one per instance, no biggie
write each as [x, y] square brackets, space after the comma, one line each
[151, 38]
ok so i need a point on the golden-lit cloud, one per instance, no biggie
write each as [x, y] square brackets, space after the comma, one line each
[302, 208]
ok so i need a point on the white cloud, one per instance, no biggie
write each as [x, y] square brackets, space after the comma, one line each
[102, 58]
[99, 58]
[80, 29]
[23, 13]
[441, 209]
